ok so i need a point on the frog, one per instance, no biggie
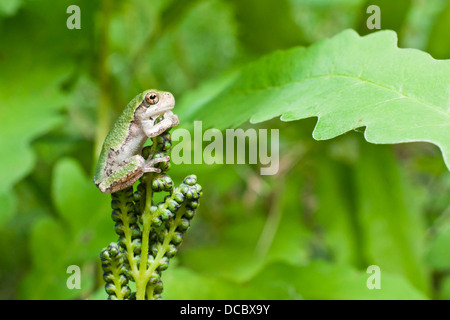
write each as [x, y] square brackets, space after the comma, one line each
[120, 162]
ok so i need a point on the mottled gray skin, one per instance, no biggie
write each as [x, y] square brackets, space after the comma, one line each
[120, 163]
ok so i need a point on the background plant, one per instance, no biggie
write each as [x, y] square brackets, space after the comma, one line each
[336, 206]
[149, 232]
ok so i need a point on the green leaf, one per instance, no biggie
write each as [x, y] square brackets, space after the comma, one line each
[418, 24]
[185, 284]
[9, 7]
[439, 42]
[439, 255]
[325, 281]
[444, 293]
[252, 239]
[319, 19]
[348, 81]
[258, 36]
[233, 257]
[8, 205]
[334, 213]
[318, 280]
[165, 45]
[31, 99]
[20, 124]
[391, 226]
[75, 237]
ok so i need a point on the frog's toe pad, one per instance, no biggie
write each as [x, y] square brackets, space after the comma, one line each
[156, 160]
[151, 169]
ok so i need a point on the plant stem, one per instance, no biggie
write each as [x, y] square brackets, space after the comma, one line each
[271, 226]
[142, 279]
[163, 249]
[127, 233]
[115, 272]
[149, 235]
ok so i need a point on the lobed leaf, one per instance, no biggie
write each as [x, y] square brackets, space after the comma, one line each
[74, 237]
[347, 82]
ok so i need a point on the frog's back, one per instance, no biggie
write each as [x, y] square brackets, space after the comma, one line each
[117, 135]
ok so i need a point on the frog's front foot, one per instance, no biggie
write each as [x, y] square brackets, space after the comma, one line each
[172, 117]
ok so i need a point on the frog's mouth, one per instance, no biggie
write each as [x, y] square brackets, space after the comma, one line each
[163, 111]
[160, 112]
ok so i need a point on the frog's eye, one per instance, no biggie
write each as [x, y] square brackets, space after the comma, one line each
[151, 98]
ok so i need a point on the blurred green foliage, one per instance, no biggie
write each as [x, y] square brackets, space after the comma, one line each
[308, 232]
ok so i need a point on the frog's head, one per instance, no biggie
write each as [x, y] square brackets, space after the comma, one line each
[157, 103]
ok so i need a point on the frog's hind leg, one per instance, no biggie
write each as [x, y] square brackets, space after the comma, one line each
[125, 176]
[149, 164]
[129, 172]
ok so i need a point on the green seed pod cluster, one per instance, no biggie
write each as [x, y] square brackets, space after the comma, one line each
[164, 165]
[170, 221]
[162, 183]
[146, 152]
[115, 272]
[191, 190]
[182, 205]
[139, 197]
[164, 142]
[125, 217]
[155, 285]
[165, 223]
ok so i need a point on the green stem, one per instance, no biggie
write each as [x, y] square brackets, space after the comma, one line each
[127, 233]
[271, 226]
[116, 278]
[134, 231]
[150, 292]
[165, 245]
[144, 274]
[142, 279]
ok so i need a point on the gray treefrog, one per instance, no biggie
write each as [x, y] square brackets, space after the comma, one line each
[120, 163]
